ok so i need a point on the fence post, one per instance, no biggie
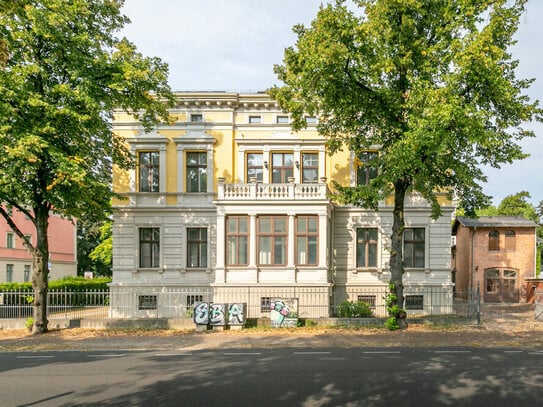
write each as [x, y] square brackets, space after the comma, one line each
[478, 304]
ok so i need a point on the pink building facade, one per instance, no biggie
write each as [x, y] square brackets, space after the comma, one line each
[16, 262]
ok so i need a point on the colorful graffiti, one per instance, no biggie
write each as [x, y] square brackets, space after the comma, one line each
[218, 314]
[284, 312]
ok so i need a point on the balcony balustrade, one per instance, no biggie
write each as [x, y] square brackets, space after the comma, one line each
[260, 191]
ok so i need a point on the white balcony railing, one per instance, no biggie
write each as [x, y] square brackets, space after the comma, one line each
[259, 191]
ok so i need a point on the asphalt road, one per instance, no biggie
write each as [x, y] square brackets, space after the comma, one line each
[447, 376]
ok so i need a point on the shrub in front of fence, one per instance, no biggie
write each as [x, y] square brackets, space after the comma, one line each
[80, 284]
[354, 309]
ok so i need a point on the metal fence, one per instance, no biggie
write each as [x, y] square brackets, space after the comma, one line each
[313, 302]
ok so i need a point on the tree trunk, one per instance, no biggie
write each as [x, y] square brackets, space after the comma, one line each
[396, 255]
[40, 272]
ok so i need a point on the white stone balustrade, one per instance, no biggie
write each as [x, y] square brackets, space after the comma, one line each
[259, 191]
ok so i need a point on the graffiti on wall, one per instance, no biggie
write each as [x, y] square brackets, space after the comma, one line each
[218, 314]
[284, 312]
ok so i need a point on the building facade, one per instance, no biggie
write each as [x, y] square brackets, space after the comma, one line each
[16, 262]
[495, 254]
[230, 199]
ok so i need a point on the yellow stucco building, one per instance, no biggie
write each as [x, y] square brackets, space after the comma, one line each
[228, 204]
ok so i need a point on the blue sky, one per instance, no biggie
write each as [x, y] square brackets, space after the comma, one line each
[233, 45]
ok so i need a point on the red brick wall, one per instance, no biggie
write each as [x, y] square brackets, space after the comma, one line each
[522, 259]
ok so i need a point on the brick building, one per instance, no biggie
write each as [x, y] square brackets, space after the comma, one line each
[496, 254]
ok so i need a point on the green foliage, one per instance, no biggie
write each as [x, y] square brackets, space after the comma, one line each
[29, 323]
[437, 93]
[431, 84]
[354, 309]
[66, 73]
[67, 283]
[517, 205]
[395, 312]
[94, 248]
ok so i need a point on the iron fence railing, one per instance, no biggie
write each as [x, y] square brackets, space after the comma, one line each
[312, 302]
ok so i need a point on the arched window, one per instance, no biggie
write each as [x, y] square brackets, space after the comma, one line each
[510, 240]
[494, 240]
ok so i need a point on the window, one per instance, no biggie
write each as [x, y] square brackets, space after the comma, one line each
[26, 275]
[10, 240]
[365, 167]
[265, 304]
[501, 281]
[197, 172]
[370, 299]
[414, 242]
[149, 247]
[414, 302]
[272, 240]
[9, 273]
[310, 167]
[197, 247]
[149, 171]
[510, 240]
[146, 302]
[366, 247]
[29, 238]
[254, 166]
[282, 167]
[311, 120]
[193, 299]
[237, 238]
[307, 233]
[255, 119]
[282, 120]
[509, 281]
[494, 240]
[196, 117]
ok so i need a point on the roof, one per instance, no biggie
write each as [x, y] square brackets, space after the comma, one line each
[493, 221]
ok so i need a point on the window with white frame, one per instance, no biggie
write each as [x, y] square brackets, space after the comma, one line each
[149, 246]
[196, 117]
[414, 242]
[310, 167]
[197, 247]
[237, 240]
[272, 240]
[282, 120]
[10, 240]
[196, 171]
[366, 247]
[307, 234]
[254, 166]
[9, 273]
[254, 119]
[27, 271]
[149, 171]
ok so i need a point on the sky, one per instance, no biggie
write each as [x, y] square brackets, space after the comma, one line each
[232, 45]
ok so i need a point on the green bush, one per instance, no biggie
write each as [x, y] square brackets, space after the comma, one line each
[79, 284]
[354, 309]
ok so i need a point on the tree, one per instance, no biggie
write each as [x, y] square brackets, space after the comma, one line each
[103, 252]
[430, 83]
[65, 73]
[517, 205]
[90, 238]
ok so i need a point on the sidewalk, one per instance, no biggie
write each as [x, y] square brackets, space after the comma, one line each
[511, 326]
